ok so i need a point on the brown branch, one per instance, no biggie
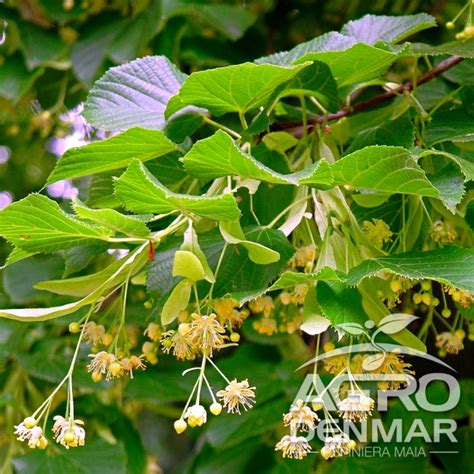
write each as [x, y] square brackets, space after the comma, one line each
[443, 66]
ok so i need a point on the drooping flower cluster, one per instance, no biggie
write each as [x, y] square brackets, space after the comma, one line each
[69, 433]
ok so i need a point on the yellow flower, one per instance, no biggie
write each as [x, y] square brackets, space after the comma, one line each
[443, 232]
[207, 333]
[378, 232]
[94, 332]
[69, 433]
[183, 348]
[133, 363]
[101, 363]
[228, 312]
[303, 257]
[299, 294]
[31, 433]
[196, 415]
[266, 326]
[262, 304]
[293, 447]
[464, 298]
[300, 417]
[337, 445]
[153, 331]
[393, 364]
[451, 343]
[335, 363]
[237, 394]
[356, 407]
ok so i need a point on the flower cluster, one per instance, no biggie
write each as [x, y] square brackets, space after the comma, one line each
[108, 364]
[67, 432]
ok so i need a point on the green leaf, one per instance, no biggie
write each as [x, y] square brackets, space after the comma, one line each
[465, 49]
[360, 63]
[191, 244]
[466, 166]
[233, 234]
[383, 168]
[96, 457]
[15, 79]
[449, 125]
[400, 132]
[231, 20]
[376, 311]
[42, 47]
[290, 279]
[176, 302]
[19, 279]
[78, 258]
[315, 80]
[341, 304]
[331, 41]
[89, 53]
[127, 268]
[182, 126]
[133, 95]
[239, 88]
[390, 29]
[349, 62]
[83, 285]
[450, 265]
[238, 275]
[229, 430]
[38, 224]
[142, 193]
[111, 154]
[136, 34]
[128, 225]
[450, 184]
[218, 156]
[101, 191]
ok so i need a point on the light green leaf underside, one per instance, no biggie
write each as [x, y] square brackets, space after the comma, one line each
[239, 88]
[128, 225]
[219, 156]
[38, 224]
[376, 311]
[176, 302]
[111, 154]
[391, 29]
[141, 192]
[258, 253]
[127, 267]
[291, 279]
[383, 168]
[450, 265]
[82, 285]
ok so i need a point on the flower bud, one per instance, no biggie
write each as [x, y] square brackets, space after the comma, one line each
[180, 426]
[216, 408]
[326, 453]
[29, 422]
[235, 337]
[74, 327]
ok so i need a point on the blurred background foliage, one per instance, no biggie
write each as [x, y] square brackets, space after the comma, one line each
[52, 52]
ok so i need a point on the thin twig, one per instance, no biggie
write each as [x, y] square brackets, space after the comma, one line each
[372, 102]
